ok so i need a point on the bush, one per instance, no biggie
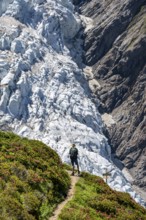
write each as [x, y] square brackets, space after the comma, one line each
[106, 206]
[32, 179]
[95, 200]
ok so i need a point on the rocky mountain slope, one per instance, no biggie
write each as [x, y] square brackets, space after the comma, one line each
[115, 48]
[44, 91]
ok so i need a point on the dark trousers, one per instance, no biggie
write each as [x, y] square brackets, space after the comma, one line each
[74, 161]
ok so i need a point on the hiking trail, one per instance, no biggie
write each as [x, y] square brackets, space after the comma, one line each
[56, 213]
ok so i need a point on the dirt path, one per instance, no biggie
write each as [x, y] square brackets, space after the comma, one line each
[74, 180]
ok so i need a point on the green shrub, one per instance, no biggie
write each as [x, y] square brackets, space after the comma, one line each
[125, 199]
[99, 189]
[79, 213]
[67, 167]
[106, 206]
[95, 200]
[32, 179]
[131, 215]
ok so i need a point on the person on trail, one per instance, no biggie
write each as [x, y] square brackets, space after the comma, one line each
[74, 158]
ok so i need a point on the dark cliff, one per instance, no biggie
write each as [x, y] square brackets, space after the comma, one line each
[115, 47]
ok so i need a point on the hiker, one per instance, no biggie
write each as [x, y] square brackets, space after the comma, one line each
[74, 158]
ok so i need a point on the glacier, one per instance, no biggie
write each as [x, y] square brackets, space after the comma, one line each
[44, 93]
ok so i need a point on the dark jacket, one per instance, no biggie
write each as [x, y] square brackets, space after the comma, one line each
[73, 152]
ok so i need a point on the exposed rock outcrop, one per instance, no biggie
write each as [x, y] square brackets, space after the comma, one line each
[115, 48]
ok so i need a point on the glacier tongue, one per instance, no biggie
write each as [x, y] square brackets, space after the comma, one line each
[44, 94]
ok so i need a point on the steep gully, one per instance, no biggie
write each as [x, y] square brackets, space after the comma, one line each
[114, 47]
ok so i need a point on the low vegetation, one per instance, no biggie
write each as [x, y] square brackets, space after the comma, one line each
[95, 200]
[32, 179]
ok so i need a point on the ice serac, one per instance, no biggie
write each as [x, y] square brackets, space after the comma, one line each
[3, 5]
[115, 48]
[44, 94]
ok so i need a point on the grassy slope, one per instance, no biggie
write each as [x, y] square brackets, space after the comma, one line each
[32, 179]
[94, 200]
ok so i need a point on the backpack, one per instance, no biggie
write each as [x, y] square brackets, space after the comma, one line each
[73, 152]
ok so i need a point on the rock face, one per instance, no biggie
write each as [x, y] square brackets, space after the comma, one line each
[115, 48]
